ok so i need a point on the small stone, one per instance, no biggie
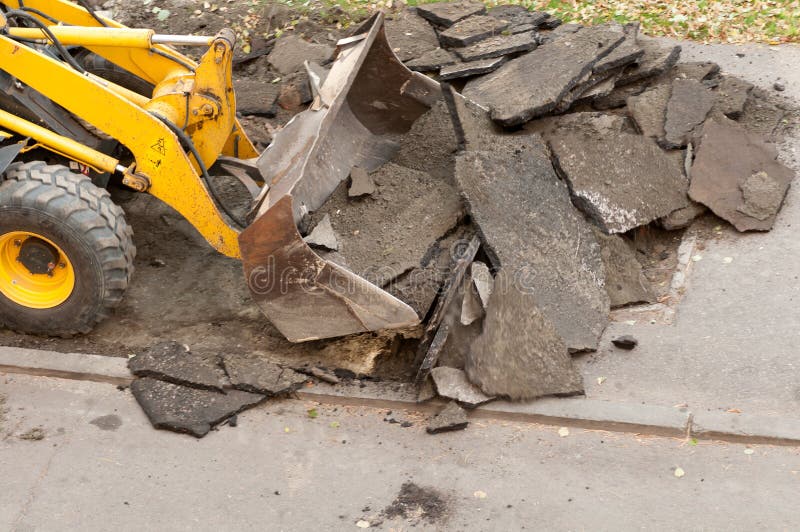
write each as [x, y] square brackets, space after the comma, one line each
[324, 375]
[472, 30]
[626, 342]
[683, 217]
[295, 91]
[451, 418]
[448, 13]
[323, 235]
[483, 281]
[471, 68]
[256, 375]
[779, 86]
[361, 184]
[453, 384]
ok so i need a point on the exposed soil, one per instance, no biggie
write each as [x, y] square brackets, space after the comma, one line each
[417, 503]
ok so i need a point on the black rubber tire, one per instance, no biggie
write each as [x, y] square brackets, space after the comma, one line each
[81, 219]
[104, 68]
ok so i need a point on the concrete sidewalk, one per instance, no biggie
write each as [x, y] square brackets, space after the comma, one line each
[100, 466]
[733, 342]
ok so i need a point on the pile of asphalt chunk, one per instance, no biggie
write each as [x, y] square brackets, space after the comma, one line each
[570, 82]
[554, 144]
[562, 141]
[192, 393]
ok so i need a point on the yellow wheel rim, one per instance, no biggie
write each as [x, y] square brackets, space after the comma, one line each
[49, 284]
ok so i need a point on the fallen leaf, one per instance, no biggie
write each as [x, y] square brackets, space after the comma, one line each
[363, 524]
[563, 432]
[734, 411]
[313, 414]
[480, 494]
[693, 441]
[679, 472]
[334, 424]
[601, 380]
[163, 14]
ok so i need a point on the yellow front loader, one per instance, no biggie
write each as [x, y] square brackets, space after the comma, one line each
[86, 102]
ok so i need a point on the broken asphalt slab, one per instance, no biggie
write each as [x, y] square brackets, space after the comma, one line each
[256, 375]
[290, 53]
[625, 281]
[453, 384]
[498, 46]
[533, 84]
[521, 20]
[323, 236]
[432, 61]
[173, 362]
[626, 53]
[410, 36]
[731, 96]
[575, 412]
[657, 59]
[621, 181]
[519, 354]
[649, 110]
[448, 13]
[361, 184]
[737, 176]
[188, 410]
[450, 418]
[472, 30]
[471, 68]
[530, 229]
[688, 107]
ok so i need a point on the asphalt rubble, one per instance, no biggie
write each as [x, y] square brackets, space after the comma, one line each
[505, 219]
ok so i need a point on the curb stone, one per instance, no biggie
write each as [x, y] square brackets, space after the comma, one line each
[569, 411]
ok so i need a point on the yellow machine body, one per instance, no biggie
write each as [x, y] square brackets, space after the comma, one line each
[197, 98]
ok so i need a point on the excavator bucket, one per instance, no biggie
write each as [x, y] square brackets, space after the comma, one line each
[368, 98]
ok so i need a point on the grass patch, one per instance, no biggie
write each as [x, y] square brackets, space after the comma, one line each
[730, 21]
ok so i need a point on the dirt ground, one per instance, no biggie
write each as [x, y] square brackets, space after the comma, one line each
[184, 291]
